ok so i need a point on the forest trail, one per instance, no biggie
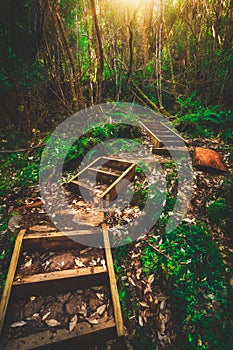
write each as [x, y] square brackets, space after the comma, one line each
[54, 262]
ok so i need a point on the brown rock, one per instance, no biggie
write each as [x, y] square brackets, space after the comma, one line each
[91, 217]
[94, 303]
[34, 268]
[63, 298]
[60, 262]
[74, 305]
[208, 160]
[33, 306]
[56, 310]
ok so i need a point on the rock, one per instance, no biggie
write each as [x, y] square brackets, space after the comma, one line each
[208, 160]
[33, 306]
[64, 298]
[34, 268]
[74, 305]
[91, 217]
[94, 302]
[60, 262]
[14, 223]
[56, 310]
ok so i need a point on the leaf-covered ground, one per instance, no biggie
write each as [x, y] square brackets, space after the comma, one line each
[175, 288]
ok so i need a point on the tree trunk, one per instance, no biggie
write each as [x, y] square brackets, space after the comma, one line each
[75, 83]
[100, 68]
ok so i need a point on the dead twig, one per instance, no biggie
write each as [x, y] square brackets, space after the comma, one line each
[160, 252]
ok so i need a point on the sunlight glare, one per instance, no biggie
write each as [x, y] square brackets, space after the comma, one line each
[131, 3]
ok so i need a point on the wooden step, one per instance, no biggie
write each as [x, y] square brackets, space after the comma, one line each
[102, 182]
[51, 283]
[63, 337]
[156, 132]
[166, 151]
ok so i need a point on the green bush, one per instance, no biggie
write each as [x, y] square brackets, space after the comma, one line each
[199, 286]
[220, 211]
[200, 121]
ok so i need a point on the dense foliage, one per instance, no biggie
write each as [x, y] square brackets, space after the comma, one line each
[59, 56]
[174, 56]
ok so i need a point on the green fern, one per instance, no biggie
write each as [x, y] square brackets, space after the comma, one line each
[199, 121]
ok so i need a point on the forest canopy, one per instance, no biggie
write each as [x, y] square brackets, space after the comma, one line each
[174, 57]
[61, 56]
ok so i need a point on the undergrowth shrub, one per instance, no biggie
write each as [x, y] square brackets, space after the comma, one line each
[220, 211]
[199, 121]
[201, 296]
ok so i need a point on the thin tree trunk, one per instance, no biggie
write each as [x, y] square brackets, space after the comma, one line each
[100, 68]
[61, 36]
[130, 72]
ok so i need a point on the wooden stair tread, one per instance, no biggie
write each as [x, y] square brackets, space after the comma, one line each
[51, 283]
[60, 275]
[62, 335]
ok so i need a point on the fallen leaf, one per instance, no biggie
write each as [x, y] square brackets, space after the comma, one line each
[143, 304]
[138, 273]
[79, 263]
[82, 312]
[73, 322]
[53, 323]
[46, 264]
[100, 310]
[140, 320]
[28, 264]
[162, 305]
[131, 281]
[18, 324]
[97, 288]
[135, 255]
[151, 279]
[147, 289]
[103, 263]
[92, 320]
[162, 328]
[100, 296]
[46, 315]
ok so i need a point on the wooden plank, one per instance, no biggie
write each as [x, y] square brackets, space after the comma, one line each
[64, 336]
[113, 284]
[122, 176]
[55, 240]
[108, 178]
[59, 275]
[104, 172]
[174, 132]
[75, 176]
[154, 139]
[166, 151]
[118, 160]
[116, 163]
[79, 183]
[59, 281]
[10, 277]
[163, 128]
[57, 234]
[66, 280]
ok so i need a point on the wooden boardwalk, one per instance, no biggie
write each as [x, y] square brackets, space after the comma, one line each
[163, 137]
